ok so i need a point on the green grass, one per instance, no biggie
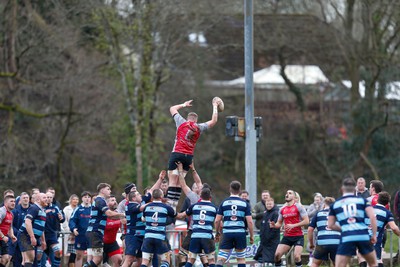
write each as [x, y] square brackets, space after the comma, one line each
[395, 242]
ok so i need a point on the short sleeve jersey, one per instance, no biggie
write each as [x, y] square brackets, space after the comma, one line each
[135, 226]
[374, 201]
[6, 220]
[155, 215]
[349, 211]
[187, 134]
[111, 230]
[80, 219]
[203, 213]
[325, 235]
[291, 215]
[383, 217]
[234, 210]
[38, 217]
[98, 217]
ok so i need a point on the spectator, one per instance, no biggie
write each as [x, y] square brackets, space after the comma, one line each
[73, 203]
[78, 224]
[55, 202]
[259, 208]
[315, 206]
[269, 237]
[361, 189]
[245, 196]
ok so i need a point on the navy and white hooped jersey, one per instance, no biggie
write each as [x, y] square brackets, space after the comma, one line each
[234, 209]
[98, 217]
[134, 224]
[325, 235]
[350, 213]
[155, 215]
[383, 217]
[204, 213]
[38, 217]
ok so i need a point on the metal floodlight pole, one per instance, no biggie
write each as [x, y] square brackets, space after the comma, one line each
[251, 134]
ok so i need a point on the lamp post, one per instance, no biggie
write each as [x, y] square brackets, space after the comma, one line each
[251, 139]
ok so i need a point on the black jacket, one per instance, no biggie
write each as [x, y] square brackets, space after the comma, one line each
[266, 233]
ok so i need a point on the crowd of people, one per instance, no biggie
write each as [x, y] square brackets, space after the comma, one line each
[355, 223]
[352, 225]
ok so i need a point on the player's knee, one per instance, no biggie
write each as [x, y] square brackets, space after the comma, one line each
[223, 254]
[165, 256]
[211, 256]
[192, 255]
[220, 261]
[240, 254]
[56, 250]
[147, 256]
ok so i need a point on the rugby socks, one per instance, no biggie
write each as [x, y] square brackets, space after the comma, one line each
[380, 264]
[92, 264]
[298, 264]
[164, 264]
[188, 264]
[211, 265]
[242, 265]
[174, 193]
[363, 264]
[278, 263]
[28, 264]
[57, 261]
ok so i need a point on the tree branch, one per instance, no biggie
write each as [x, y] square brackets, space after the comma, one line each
[18, 109]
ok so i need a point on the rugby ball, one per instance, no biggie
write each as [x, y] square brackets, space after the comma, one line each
[221, 105]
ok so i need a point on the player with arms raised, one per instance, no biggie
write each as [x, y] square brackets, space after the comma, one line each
[187, 133]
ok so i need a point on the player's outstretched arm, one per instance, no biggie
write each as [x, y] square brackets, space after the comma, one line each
[214, 117]
[157, 184]
[196, 176]
[392, 225]
[174, 109]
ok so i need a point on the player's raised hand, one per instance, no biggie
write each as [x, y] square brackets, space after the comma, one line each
[179, 165]
[188, 103]
[162, 174]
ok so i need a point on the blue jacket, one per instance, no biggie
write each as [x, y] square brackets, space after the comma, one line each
[80, 219]
[19, 216]
[52, 221]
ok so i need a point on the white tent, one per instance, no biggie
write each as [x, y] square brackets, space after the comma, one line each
[393, 89]
[299, 74]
